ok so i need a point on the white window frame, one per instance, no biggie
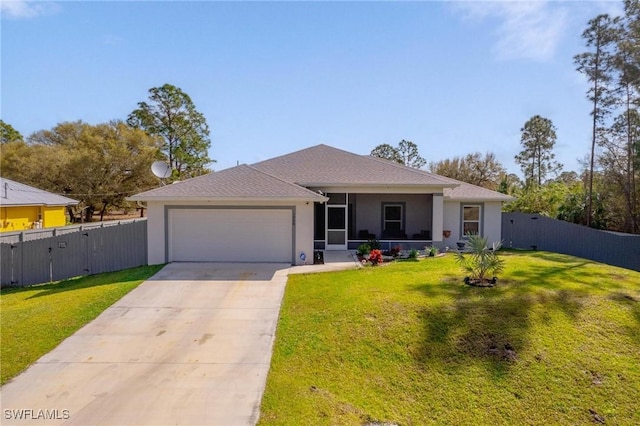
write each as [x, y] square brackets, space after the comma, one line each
[479, 221]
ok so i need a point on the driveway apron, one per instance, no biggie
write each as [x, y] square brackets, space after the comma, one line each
[190, 346]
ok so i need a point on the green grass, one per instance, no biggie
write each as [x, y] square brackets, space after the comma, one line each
[34, 320]
[557, 341]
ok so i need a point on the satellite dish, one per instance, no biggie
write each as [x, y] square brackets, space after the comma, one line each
[161, 169]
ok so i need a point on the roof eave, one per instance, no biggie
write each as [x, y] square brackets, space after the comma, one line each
[369, 184]
[318, 199]
[73, 203]
[479, 199]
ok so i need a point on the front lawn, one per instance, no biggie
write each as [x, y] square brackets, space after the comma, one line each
[557, 341]
[34, 320]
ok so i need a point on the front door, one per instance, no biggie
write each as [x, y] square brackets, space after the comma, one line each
[336, 227]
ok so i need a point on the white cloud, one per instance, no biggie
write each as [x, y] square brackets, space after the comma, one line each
[25, 9]
[524, 29]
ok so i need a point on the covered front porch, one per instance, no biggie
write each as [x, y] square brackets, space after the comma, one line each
[408, 220]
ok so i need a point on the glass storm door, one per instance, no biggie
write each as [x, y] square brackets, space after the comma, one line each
[336, 227]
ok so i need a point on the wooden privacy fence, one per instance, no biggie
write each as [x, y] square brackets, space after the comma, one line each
[532, 231]
[44, 255]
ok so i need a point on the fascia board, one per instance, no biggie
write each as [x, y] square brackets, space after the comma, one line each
[318, 199]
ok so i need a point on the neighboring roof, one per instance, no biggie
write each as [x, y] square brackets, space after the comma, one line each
[14, 193]
[237, 183]
[468, 192]
[322, 165]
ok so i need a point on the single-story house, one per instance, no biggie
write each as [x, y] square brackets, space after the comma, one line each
[25, 207]
[318, 198]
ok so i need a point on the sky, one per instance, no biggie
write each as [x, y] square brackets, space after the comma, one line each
[275, 77]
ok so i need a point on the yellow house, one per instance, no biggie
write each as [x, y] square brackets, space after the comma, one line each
[25, 207]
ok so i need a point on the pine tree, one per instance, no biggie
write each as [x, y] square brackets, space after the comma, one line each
[537, 159]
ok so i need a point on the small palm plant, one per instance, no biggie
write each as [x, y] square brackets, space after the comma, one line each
[480, 262]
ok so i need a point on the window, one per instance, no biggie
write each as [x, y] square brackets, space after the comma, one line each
[337, 198]
[393, 219]
[471, 216]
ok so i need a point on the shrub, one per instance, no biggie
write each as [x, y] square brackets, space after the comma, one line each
[364, 249]
[395, 251]
[374, 244]
[375, 257]
[413, 254]
[431, 250]
[481, 261]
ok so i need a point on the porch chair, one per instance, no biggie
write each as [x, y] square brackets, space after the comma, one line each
[394, 234]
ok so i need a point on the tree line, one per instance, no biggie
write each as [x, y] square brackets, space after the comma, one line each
[100, 165]
[605, 194]
[612, 67]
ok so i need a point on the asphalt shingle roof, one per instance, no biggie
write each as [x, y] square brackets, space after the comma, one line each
[237, 182]
[324, 165]
[14, 193]
[467, 192]
[471, 192]
[286, 177]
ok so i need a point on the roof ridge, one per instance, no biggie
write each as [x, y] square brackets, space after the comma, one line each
[323, 145]
[288, 154]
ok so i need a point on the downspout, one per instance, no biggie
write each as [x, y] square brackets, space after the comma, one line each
[142, 207]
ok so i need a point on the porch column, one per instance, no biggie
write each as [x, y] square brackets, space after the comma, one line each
[438, 217]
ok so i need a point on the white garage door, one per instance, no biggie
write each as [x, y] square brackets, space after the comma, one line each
[230, 235]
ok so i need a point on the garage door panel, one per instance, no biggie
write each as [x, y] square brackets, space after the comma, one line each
[230, 235]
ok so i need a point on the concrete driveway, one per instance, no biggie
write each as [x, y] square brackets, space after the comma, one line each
[190, 346]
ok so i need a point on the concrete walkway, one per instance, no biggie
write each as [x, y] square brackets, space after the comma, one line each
[190, 346]
[333, 261]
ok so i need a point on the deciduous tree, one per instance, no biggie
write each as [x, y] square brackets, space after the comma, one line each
[476, 169]
[509, 183]
[618, 165]
[99, 165]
